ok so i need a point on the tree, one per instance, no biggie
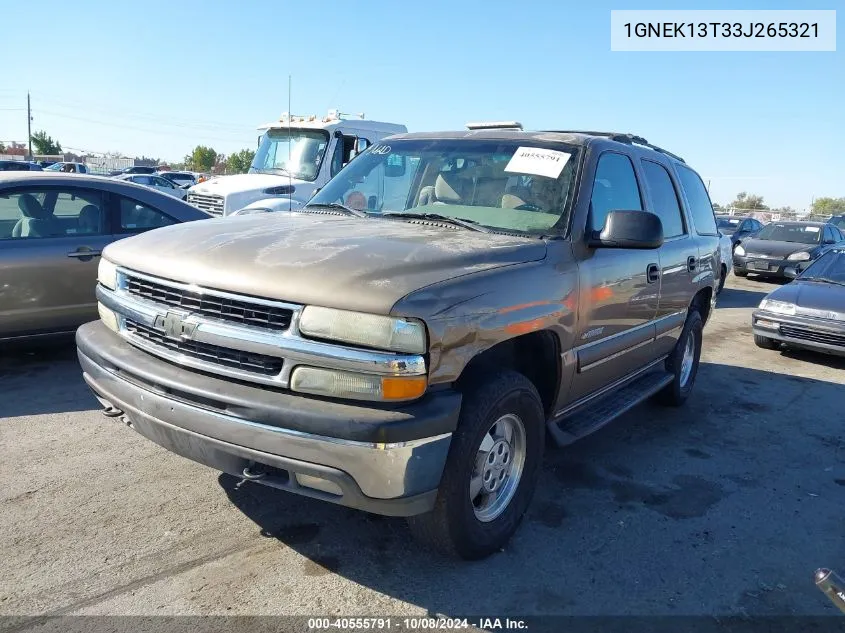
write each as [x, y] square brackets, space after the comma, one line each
[45, 145]
[239, 162]
[828, 206]
[2, 148]
[202, 158]
[746, 201]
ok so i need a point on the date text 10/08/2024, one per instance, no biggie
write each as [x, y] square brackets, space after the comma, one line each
[415, 624]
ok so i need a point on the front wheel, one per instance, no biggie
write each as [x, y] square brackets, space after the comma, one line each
[683, 362]
[491, 471]
[765, 342]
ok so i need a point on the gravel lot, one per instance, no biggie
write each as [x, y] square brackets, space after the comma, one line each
[725, 506]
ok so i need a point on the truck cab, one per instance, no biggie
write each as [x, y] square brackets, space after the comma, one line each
[296, 156]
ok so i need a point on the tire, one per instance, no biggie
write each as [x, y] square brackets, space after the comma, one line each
[765, 342]
[454, 526]
[722, 279]
[683, 378]
[741, 273]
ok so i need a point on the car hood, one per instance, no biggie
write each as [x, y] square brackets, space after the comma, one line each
[811, 296]
[238, 183]
[337, 261]
[771, 247]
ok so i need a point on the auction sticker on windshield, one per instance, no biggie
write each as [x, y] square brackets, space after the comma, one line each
[538, 162]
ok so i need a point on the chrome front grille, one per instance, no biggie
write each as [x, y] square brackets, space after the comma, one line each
[210, 203]
[239, 336]
[815, 336]
[216, 354]
[221, 306]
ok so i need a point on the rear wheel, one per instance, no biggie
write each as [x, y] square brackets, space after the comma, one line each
[765, 342]
[682, 363]
[491, 471]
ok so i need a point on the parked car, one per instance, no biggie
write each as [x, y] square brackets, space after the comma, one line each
[52, 230]
[779, 245]
[68, 167]
[807, 313]
[838, 221]
[726, 260]
[738, 227]
[183, 179]
[156, 182]
[403, 343]
[19, 165]
[135, 169]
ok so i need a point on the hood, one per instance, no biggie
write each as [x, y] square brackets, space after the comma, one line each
[772, 247]
[336, 261]
[238, 183]
[812, 297]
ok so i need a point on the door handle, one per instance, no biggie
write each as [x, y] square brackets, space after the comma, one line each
[84, 252]
[692, 263]
[652, 273]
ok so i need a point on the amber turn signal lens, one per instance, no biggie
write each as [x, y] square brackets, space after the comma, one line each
[406, 388]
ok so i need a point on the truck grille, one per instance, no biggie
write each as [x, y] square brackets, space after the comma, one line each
[207, 202]
[815, 336]
[211, 305]
[236, 359]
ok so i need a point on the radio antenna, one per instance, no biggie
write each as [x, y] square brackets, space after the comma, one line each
[290, 140]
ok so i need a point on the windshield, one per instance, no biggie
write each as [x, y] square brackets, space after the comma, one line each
[514, 186]
[298, 154]
[55, 167]
[838, 221]
[728, 225]
[830, 267]
[799, 233]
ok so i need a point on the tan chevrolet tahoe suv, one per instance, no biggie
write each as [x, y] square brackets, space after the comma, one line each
[406, 342]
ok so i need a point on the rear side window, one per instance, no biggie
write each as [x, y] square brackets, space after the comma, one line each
[664, 199]
[614, 188]
[700, 206]
[136, 217]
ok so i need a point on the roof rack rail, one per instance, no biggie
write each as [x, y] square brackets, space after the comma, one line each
[622, 137]
[494, 125]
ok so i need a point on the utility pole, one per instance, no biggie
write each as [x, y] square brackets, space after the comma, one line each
[29, 125]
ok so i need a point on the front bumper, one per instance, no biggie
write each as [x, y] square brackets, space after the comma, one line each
[384, 460]
[821, 335]
[766, 267]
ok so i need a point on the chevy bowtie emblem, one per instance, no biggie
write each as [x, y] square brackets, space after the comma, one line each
[174, 326]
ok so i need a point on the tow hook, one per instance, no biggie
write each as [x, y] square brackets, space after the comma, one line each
[112, 412]
[249, 474]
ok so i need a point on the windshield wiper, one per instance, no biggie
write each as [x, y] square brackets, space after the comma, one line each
[472, 225]
[340, 207]
[825, 280]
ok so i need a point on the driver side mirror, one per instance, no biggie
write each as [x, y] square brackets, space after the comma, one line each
[790, 271]
[629, 229]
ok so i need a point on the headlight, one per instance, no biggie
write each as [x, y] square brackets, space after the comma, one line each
[108, 317]
[781, 307]
[107, 273]
[369, 330]
[250, 211]
[803, 256]
[739, 250]
[345, 384]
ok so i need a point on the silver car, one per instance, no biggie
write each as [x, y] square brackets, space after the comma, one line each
[156, 182]
[53, 227]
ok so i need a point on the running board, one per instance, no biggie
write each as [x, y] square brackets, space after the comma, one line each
[595, 413]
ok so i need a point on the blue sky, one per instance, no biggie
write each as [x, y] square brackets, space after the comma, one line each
[158, 79]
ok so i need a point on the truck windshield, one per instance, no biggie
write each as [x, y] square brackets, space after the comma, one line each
[514, 186]
[297, 153]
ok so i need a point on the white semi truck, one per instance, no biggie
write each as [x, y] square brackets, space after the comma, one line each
[296, 156]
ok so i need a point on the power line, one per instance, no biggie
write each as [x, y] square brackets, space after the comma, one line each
[139, 129]
[62, 102]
